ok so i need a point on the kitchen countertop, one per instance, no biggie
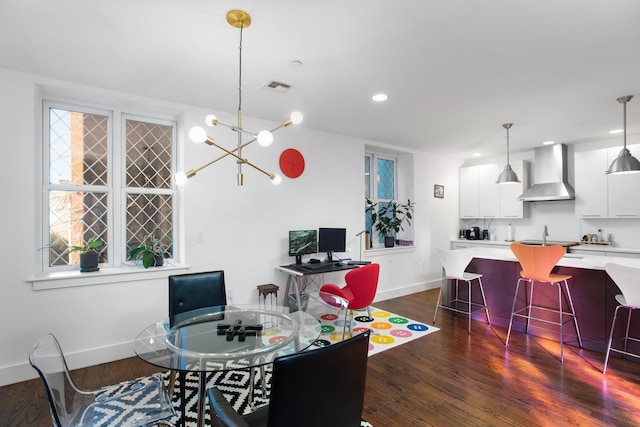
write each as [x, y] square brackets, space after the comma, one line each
[595, 248]
[592, 262]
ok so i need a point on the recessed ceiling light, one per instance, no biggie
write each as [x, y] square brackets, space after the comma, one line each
[548, 142]
[616, 131]
[476, 154]
[379, 97]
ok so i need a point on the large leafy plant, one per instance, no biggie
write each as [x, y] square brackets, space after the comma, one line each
[389, 217]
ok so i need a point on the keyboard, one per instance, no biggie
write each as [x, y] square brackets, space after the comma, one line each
[315, 266]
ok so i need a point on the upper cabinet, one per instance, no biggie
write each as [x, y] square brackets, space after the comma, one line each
[599, 195]
[624, 199]
[481, 197]
[591, 183]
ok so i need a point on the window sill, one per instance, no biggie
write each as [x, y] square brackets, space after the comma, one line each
[381, 250]
[72, 278]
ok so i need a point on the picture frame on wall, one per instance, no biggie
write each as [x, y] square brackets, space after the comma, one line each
[438, 191]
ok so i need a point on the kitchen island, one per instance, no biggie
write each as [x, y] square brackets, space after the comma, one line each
[592, 290]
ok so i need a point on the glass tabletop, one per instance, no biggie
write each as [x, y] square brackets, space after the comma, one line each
[225, 337]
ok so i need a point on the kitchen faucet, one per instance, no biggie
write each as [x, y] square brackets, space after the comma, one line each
[545, 233]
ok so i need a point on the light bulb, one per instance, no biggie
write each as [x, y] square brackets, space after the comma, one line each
[276, 179]
[211, 120]
[197, 134]
[296, 117]
[265, 138]
[181, 178]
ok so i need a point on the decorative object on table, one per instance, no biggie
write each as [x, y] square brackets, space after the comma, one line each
[238, 19]
[438, 191]
[338, 375]
[507, 176]
[625, 162]
[89, 257]
[238, 330]
[133, 403]
[389, 218]
[150, 251]
[292, 163]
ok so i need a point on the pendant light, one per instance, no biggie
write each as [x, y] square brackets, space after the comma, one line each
[507, 176]
[625, 162]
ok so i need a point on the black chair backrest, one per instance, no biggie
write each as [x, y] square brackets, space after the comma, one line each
[322, 387]
[196, 290]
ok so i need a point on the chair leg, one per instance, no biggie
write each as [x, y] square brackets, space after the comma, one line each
[484, 301]
[172, 383]
[613, 324]
[529, 302]
[626, 334]
[561, 323]
[573, 313]
[469, 306]
[442, 283]
[513, 309]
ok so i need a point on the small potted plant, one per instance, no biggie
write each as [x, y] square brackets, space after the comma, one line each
[89, 257]
[388, 219]
[151, 253]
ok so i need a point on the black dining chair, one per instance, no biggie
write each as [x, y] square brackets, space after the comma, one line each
[316, 388]
[189, 292]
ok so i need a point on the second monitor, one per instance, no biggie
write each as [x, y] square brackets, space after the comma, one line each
[332, 240]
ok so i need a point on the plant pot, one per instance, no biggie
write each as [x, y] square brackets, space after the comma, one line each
[89, 261]
[389, 241]
[158, 260]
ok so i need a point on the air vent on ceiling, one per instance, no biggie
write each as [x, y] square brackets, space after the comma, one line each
[277, 87]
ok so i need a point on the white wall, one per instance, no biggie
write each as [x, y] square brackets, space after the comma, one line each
[245, 228]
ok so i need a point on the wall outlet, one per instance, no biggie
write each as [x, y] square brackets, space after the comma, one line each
[200, 237]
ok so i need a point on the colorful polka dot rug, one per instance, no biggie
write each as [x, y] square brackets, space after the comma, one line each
[388, 329]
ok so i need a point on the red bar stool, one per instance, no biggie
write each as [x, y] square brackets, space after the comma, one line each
[537, 263]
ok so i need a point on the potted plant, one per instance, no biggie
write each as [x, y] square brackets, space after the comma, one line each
[89, 257]
[151, 253]
[389, 218]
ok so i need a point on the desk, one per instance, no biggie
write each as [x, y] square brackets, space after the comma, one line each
[300, 277]
[193, 344]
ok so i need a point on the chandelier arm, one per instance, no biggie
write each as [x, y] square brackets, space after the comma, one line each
[241, 160]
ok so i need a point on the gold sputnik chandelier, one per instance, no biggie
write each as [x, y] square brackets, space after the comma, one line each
[237, 19]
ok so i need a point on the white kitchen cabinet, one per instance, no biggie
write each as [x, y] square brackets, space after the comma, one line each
[488, 191]
[468, 192]
[624, 199]
[510, 206]
[591, 183]
[481, 197]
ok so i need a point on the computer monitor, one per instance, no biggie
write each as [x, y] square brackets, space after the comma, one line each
[332, 240]
[302, 242]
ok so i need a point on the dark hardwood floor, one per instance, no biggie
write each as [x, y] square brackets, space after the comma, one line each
[448, 378]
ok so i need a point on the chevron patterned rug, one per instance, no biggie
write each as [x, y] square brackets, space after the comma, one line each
[235, 387]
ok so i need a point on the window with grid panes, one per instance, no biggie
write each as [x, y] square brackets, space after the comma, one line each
[381, 172]
[105, 172]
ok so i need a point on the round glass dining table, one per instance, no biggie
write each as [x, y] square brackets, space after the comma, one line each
[223, 338]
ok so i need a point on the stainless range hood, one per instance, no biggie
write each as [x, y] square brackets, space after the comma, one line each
[550, 166]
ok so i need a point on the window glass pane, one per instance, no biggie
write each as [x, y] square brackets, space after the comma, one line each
[386, 174]
[367, 177]
[148, 154]
[74, 218]
[77, 147]
[150, 221]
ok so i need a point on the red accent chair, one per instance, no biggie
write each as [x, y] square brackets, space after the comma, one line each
[362, 284]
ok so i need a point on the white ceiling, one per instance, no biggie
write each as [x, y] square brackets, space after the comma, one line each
[454, 70]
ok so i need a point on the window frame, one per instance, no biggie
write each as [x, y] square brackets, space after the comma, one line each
[401, 190]
[117, 258]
